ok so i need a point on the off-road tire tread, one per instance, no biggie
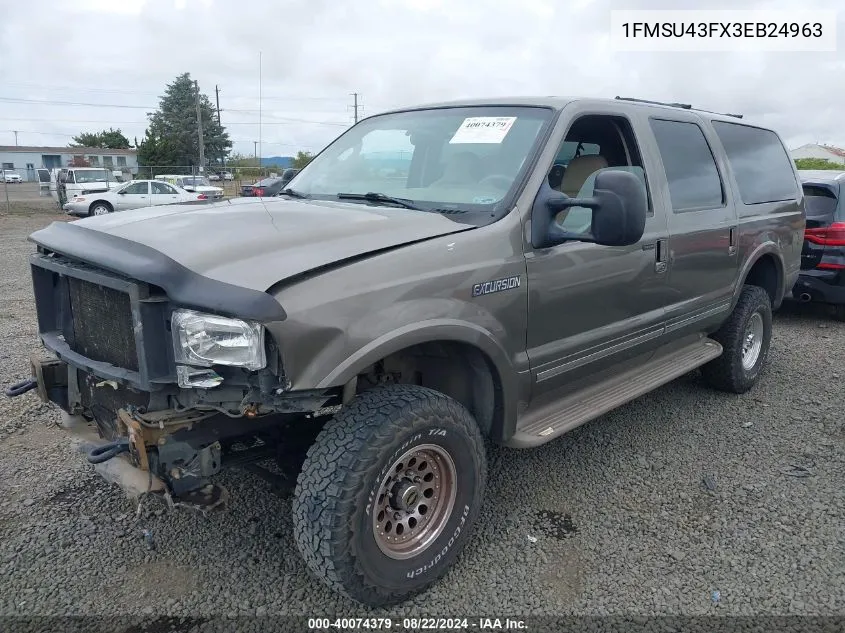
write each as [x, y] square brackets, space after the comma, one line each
[350, 444]
[725, 373]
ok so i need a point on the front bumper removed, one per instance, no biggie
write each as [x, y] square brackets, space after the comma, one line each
[175, 453]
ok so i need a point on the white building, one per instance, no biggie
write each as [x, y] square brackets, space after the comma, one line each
[813, 150]
[24, 160]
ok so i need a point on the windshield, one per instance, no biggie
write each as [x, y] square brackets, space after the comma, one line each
[448, 158]
[92, 175]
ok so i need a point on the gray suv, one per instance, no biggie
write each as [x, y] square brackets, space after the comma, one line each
[436, 279]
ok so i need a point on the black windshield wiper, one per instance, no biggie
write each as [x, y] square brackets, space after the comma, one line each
[379, 197]
[292, 193]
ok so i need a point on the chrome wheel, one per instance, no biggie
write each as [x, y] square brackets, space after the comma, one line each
[752, 341]
[100, 209]
[415, 501]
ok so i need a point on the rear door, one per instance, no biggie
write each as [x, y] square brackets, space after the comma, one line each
[701, 261]
[133, 196]
[824, 237]
[162, 193]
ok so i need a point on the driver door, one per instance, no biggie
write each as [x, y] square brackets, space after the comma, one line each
[593, 306]
[133, 196]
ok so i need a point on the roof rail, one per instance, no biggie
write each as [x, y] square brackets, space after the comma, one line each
[736, 116]
[685, 106]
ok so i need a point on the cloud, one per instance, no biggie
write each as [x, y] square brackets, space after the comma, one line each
[392, 52]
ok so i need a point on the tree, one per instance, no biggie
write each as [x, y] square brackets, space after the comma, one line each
[817, 163]
[302, 159]
[172, 138]
[107, 139]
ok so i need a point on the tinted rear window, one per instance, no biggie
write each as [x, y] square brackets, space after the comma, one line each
[266, 182]
[693, 178]
[762, 168]
[819, 201]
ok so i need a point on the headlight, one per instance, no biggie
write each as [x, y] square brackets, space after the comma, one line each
[205, 339]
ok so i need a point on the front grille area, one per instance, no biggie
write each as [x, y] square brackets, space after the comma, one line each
[102, 324]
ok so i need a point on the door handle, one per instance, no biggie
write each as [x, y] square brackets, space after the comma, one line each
[732, 242]
[661, 256]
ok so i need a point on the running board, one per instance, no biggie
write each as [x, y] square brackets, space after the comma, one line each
[596, 400]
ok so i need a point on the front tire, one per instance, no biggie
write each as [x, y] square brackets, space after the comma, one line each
[745, 338]
[389, 493]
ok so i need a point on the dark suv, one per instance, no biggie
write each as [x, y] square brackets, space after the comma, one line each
[822, 275]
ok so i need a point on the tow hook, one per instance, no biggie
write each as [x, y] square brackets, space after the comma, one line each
[105, 452]
[21, 387]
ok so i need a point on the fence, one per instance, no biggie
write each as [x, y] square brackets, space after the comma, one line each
[215, 174]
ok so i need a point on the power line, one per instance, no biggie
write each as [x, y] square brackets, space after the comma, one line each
[151, 94]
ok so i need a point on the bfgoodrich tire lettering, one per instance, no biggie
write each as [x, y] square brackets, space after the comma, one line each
[727, 372]
[338, 490]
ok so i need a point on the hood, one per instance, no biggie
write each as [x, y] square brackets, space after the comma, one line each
[255, 243]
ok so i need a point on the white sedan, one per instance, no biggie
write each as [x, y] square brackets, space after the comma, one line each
[12, 177]
[135, 194]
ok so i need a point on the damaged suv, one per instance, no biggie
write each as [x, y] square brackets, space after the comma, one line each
[436, 279]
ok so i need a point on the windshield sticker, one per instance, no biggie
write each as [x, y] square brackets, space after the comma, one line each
[483, 129]
[484, 200]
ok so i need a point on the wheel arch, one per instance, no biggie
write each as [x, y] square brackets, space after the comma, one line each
[764, 268]
[471, 367]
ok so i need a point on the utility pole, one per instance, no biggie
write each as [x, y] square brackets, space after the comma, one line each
[217, 96]
[258, 153]
[355, 105]
[6, 189]
[255, 148]
[199, 128]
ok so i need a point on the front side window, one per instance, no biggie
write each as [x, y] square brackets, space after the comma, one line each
[465, 158]
[593, 144]
[136, 188]
[761, 166]
[694, 182]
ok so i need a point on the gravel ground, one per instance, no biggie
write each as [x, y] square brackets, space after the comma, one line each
[648, 510]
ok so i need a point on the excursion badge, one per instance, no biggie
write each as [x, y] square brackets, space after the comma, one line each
[497, 285]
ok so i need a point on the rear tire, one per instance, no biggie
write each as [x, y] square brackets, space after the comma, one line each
[745, 338]
[839, 312]
[398, 455]
[100, 208]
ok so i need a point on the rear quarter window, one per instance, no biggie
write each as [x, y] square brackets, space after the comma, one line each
[759, 161]
[819, 201]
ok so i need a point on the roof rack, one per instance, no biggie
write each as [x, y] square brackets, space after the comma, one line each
[685, 106]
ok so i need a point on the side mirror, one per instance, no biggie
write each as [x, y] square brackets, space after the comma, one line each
[619, 207]
[122, 192]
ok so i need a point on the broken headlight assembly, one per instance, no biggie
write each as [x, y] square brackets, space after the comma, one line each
[203, 340]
